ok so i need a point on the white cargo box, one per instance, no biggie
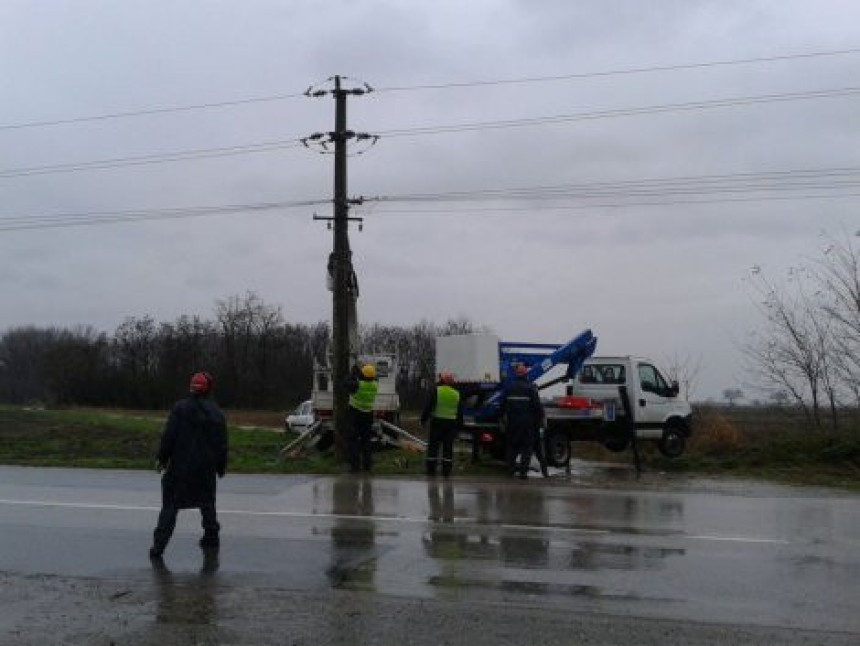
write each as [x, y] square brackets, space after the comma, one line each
[469, 357]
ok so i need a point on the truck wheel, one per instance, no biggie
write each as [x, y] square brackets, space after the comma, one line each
[673, 442]
[556, 448]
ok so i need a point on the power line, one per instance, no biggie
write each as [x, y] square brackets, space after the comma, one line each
[659, 191]
[620, 112]
[777, 180]
[605, 205]
[181, 155]
[707, 184]
[720, 177]
[89, 218]
[438, 86]
[621, 71]
[436, 130]
[149, 111]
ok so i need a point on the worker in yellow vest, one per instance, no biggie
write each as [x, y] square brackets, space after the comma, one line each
[362, 387]
[444, 410]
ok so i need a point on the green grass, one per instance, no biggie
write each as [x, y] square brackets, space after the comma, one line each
[721, 445]
[86, 438]
[773, 448]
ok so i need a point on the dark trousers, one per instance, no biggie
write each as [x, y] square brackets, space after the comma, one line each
[358, 447]
[540, 453]
[167, 523]
[520, 446]
[442, 432]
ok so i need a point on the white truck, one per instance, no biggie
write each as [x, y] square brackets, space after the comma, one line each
[387, 404]
[659, 413]
[592, 408]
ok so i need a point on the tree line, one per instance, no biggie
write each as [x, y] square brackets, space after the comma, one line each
[259, 359]
[807, 350]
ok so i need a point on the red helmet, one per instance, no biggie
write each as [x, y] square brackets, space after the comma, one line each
[201, 383]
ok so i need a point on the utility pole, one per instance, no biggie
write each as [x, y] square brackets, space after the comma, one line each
[343, 282]
[342, 271]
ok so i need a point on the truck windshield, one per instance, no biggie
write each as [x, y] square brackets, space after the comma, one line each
[651, 379]
[610, 373]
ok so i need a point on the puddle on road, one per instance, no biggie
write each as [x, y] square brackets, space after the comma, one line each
[186, 598]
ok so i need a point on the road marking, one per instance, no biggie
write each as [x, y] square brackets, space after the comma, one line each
[551, 528]
[741, 539]
[457, 521]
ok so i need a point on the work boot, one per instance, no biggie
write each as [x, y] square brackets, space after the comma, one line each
[209, 541]
[156, 551]
[524, 475]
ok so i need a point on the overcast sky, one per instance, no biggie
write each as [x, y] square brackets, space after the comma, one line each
[650, 279]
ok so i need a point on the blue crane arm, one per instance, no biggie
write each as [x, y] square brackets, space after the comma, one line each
[541, 358]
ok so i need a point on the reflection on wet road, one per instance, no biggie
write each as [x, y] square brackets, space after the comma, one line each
[186, 599]
[741, 554]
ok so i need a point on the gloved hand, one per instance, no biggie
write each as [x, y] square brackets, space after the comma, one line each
[159, 466]
[220, 473]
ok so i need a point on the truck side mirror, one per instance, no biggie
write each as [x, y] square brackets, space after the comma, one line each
[674, 389]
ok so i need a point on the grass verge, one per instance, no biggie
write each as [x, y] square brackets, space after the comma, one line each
[789, 452]
[128, 440]
[113, 439]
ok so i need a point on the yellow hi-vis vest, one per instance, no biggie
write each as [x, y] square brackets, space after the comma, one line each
[447, 400]
[362, 399]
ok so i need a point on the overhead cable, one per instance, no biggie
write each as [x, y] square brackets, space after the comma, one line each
[149, 111]
[50, 221]
[780, 180]
[437, 86]
[525, 210]
[436, 130]
[181, 155]
[620, 71]
[620, 112]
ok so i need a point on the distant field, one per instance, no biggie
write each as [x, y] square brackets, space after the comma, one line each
[774, 444]
[745, 442]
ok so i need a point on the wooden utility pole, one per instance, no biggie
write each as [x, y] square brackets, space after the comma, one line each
[342, 271]
[344, 284]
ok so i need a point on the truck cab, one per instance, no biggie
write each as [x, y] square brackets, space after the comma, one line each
[659, 412]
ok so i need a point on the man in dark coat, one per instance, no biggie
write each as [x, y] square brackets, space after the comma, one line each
[193, 450]
[523, 413]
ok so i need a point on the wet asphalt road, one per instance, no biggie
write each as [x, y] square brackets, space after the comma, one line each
[598, 558]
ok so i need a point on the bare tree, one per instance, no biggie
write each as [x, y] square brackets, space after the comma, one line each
[247, 331]
[809, 346]
[732, 395]
[837, 275]
[135, 355]
[685, 369]
[786, 354]
[779, 397]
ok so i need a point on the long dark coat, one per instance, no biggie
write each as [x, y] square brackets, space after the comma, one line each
[194, 450]
[522, 408]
